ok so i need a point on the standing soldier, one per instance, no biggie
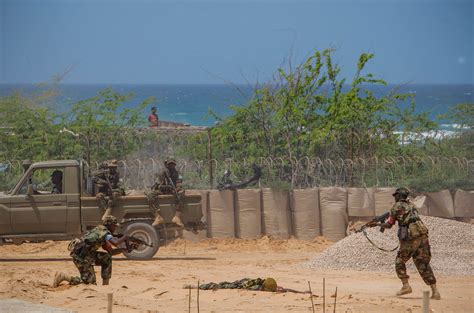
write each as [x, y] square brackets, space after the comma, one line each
[85, 255]
[109, 187]
[170, 183]
[413, 236]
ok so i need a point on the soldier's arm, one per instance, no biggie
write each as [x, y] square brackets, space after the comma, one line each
[394, 212]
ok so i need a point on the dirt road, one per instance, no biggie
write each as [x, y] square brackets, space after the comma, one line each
[26, 272]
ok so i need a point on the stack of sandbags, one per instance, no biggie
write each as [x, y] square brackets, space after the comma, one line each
[248, 220]
[276, 213]
[420, 203]
[360, 202]
[440, 203]
[334, 219]
[221, 214]
[464, 203]
[383, 200]
[306, 213]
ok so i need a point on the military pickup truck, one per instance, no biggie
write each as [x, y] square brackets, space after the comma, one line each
[30, 212]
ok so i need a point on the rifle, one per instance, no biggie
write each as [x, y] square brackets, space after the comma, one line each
[173, 186]
[376, 221]
[134, 240]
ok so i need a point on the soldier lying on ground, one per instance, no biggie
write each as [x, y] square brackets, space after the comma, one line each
[85, 255]
[169, 183]
[257, 284]
[109, 187]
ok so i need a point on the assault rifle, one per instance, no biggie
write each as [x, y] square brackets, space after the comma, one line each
[376, 221]
[173, 186]
[134, 240]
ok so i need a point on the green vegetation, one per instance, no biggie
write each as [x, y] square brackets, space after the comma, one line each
[307, 127]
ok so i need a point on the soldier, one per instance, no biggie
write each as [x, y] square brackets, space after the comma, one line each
[414, 243]
[170, 183]
[85, 255]
[57, 180]
[257, 284]
[109, 187]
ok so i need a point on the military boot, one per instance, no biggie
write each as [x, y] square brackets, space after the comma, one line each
[435, 293]
[158, 220]
[105, 282]
[406, 288]
[59, 277]
[177, 219]
[108, 212]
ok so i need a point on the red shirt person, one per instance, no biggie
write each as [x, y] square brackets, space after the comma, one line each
[153, 118]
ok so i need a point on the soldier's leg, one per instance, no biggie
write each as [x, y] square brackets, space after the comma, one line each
[404, 254]
[422, 258]
[104, 259]
[152, 198]
[111, 200]
[179, 206]
[86, 270]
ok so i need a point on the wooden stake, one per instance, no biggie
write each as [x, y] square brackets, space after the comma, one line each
[110, 297]
[189, 299]
[184, 251]
[198, 296]
[426, 302]
[335, 299]
[311, 295]
[324, 295]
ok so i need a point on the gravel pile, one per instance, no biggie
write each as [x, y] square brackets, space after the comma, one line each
[452, 249]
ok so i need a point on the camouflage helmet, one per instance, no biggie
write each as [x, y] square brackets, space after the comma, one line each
[169, 161]
[269, 284]
[110, 220]
[112, 163]
[402, 191]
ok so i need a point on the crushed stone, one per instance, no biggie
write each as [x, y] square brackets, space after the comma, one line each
[452, 250]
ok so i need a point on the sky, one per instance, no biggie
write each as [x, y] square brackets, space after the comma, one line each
[213, 42]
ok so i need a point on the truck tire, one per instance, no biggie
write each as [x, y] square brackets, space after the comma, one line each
[147, 233]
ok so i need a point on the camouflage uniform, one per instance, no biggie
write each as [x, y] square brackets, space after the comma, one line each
[415, 246]
[108, 195]
[85, 256]
[246, 283]
[169, 183]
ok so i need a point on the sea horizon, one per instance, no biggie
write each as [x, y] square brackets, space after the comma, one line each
[191, 103]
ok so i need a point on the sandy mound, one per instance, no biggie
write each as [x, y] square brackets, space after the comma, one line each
[452, 249]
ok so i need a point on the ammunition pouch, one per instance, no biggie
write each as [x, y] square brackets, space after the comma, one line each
[403, 233]
[417, 229]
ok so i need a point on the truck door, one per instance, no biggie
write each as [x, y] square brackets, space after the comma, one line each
[45, 211]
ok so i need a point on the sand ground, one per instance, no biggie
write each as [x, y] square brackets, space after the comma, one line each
[26, 272]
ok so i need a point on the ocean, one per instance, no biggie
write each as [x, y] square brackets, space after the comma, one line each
[191, 103]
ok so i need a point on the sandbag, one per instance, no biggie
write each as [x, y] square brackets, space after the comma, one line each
[440, 203]
[383, 200]
[248, 214]
[334, 219]
[464, 203]
[420, 203]
[306, 214]
[276, 213]
[360, 202]
[221, 214]
[205, 212]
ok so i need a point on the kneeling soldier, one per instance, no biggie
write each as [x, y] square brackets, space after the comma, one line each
[85, 255]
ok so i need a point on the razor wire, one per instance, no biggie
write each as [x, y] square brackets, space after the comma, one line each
[305, 172]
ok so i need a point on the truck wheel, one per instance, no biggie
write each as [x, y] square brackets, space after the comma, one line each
[147, 233]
